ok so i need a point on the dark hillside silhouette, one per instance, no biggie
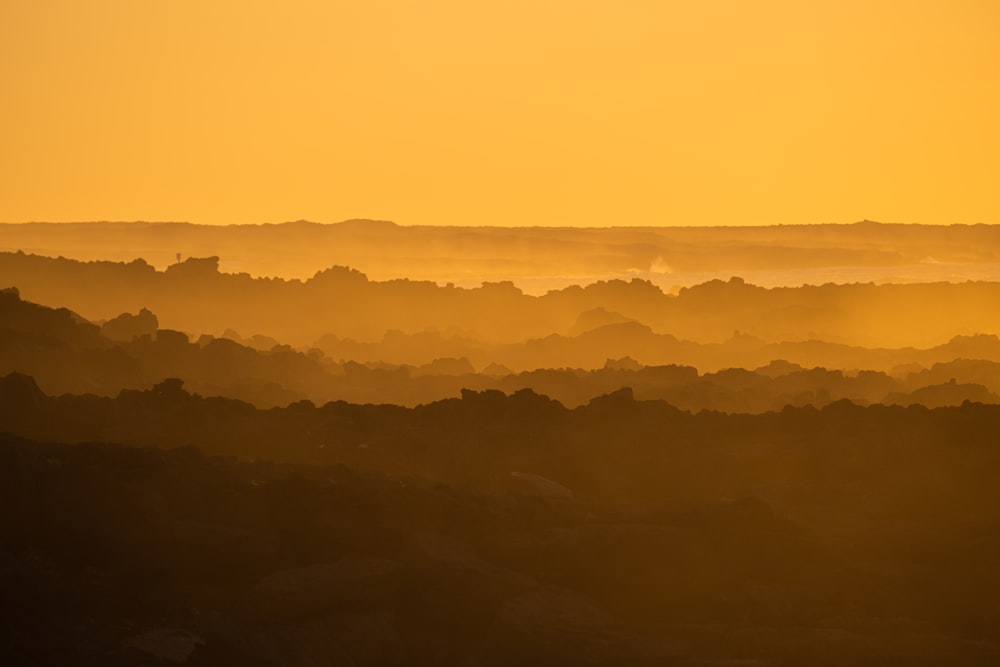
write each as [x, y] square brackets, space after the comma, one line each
[494, 528]
[195, 296]
[66, 354]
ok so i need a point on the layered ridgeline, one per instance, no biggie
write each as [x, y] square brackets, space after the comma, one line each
[66, 354]
[203, 467]
[542, 258]
[340, 306]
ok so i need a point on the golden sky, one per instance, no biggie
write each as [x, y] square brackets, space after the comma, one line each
[558, 112]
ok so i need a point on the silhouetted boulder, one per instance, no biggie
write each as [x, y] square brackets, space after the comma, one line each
[494, 369]
[623, 364]
[194, 268]
[20, 395]
[169, 338]
[778, 368]
[170, 388]
[126, 326]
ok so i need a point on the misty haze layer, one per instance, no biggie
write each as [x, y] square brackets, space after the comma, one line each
[376, 457]
[538, 259]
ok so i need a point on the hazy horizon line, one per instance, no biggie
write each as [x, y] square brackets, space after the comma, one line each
[393, 223]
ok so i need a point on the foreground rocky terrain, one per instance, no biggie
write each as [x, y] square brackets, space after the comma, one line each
[494, 529]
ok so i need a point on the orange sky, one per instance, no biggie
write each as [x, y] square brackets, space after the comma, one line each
[559, 112]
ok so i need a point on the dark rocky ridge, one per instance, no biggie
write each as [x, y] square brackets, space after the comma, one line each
[849, 534]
